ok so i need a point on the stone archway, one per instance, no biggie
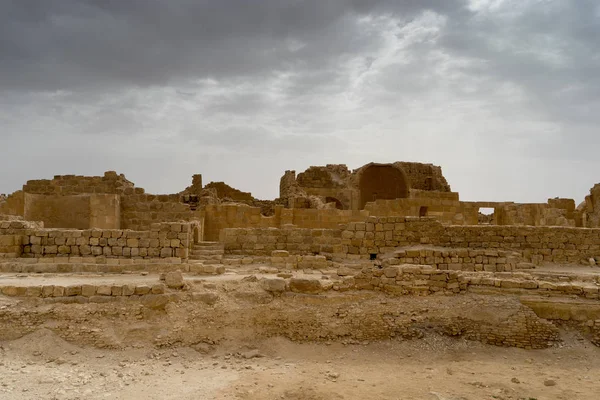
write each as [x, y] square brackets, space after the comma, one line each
[338, 203]
[382, 181]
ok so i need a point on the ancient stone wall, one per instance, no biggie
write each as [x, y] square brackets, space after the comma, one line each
[219, 217]
[536, 244]
[425, 176]
[385, 234]
[329, 176]
[13, 204]
[443, 205]
[458, 259]
[76, 184]
[27, 239]
[263, 241]
[226, 191]
[140, 211]
[351, 190]
[11, 236]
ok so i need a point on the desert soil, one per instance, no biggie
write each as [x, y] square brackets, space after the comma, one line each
[44, 366]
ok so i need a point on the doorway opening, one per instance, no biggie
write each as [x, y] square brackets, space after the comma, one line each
[485, 216]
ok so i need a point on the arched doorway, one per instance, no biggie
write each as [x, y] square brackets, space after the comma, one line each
[338, 204]
[382, 182]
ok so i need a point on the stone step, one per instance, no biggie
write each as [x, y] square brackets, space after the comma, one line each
[208, 244]
[216, 257]
[208, 248]
[197, 252]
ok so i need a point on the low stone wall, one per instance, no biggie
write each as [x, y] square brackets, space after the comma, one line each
[283, 260]
[162, 241]
[11, 236]
[425, 280]
[458, 259]
[85, 290]
[263, 241]
[535, 244]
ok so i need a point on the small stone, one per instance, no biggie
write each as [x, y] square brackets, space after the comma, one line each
[515, 380]
[549, 382]
[252, 354]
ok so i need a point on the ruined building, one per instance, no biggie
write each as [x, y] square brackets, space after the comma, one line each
[394, 229]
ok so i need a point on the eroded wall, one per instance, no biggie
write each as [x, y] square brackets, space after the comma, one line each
[140, 211]
[13, 204]
[386, 234]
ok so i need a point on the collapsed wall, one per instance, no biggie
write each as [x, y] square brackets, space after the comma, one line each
[336, 184]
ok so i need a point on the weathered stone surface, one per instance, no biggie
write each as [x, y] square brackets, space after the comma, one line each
[305, 285]
[174, 280]
[273, 284]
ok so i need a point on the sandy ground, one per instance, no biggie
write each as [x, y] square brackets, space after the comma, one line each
[43, 366]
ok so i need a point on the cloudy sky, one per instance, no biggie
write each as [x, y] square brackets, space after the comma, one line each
[503, 94]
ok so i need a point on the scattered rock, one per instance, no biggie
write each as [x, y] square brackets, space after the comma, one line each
[305, 285]
[203, 348]
[174, 280]
[549, 382]
[207, 298]
[273, 284]
[252, 354]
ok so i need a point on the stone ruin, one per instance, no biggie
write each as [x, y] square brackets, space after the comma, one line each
[392, 229]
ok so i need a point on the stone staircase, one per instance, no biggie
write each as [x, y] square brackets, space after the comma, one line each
[207, 252]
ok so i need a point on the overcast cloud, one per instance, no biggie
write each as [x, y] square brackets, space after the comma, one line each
[503, 94]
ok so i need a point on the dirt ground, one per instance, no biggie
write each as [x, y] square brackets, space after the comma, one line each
[44, 366]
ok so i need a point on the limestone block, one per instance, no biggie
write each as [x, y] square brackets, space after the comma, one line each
[174, 279]
[166, 252]
[158, 288]
[47, 290]
[88, 290]
[390, 272]
[273, 284]
[346, 271]
[9, 291]
[104, 290]
[72, 290]
[305, 285]
[116, 290]
[142, 289]
[128, 290]
[58, 291]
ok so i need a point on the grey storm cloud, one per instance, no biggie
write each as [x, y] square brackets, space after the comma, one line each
[268, 85]
[58, 44]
